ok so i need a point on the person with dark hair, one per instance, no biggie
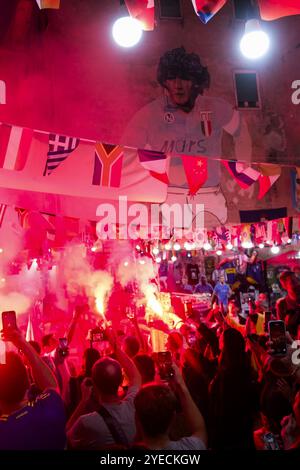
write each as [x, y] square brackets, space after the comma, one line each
[131, 346]
[185, 120]
[233, 396]
[156, 406]
[113, 423]
[40, 424]
[175, 345]
[146, 367]
[90, 356]
[288, 307]
[203, 287]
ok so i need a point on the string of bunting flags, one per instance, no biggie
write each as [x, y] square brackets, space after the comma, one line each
[108, 161]
[59, 230]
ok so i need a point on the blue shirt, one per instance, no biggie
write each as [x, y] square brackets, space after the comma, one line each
[36, 426]
[222, 292]
[203, 289]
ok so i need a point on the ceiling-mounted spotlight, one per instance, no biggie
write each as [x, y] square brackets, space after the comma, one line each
[255, 43]
[127, 31]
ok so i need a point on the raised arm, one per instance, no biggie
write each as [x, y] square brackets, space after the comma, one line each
[128, 365]
[41, 373]
[193, 416]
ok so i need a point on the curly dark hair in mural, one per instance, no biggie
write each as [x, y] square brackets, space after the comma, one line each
[187, 66]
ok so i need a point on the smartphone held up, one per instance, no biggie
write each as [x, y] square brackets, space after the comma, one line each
[277, 335]
[9, 321]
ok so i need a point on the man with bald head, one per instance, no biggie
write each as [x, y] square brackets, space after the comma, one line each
[113, 423]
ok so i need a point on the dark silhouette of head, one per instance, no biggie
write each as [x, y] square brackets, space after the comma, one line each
[232, 347]
[14, 380]
[155, 407]
[187, 66]
[175, 341]
[131, 346]
[90, 356]
[49, 342]
[146, 367]
[183, 75]
[107, 376]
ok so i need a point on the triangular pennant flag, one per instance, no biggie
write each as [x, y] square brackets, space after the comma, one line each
[196, 172]
[155, 163]
[274, 9]
[23, 217]
[107, 165]
[29, 330]
[15, 143]
[244, 175]
[269, 175]
[60, 147]
[206, 9]
[142, 10]
[53, 4]
[2, 213]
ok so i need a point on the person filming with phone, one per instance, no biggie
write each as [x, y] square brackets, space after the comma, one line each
[156, 406]
[40, 424]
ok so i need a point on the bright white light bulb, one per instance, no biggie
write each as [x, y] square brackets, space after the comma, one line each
[174, 258]
[1, 250]
[219, 252]
[261, 245]
[155, 251]
[255, 42]
[142, 261]
[229, 246]
[93, 249]
[207, 246]
[247, 245]
[168, 246]
[275, 249]
[137, 247]
[188, 246]
[176, 246]
[158, 259]
[126, 263]
[127, 31]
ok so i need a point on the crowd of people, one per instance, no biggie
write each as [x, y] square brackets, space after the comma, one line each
[216, 386]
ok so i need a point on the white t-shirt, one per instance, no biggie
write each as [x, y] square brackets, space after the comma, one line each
[158, 126]
[90, 431]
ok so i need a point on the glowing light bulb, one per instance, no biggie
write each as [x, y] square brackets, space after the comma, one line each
[207, 246]
[174, 258]
[127, 31]
[219, 252]
[155, 251]
[255, 43]
[229, 246]
[176, 246]
[275, 249]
